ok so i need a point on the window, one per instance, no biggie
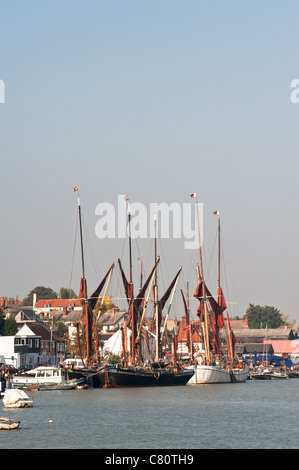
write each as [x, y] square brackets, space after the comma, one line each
[23, 360]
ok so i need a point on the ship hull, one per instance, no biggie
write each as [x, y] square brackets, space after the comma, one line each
[114, 378]
[215, 374]
[91, 376]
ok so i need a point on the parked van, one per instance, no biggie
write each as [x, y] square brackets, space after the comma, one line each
[74, 363]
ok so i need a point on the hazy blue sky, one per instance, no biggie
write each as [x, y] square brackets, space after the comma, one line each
[157, 99]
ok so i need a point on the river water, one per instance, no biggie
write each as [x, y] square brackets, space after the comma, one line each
[251, 415]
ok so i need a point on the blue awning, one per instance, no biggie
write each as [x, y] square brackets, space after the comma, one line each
[278, 360]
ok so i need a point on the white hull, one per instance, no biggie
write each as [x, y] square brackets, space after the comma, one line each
[15, 398]
[216, 374]
[7, 424]
[40, 376]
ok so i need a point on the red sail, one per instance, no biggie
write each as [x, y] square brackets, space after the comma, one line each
[198, 294]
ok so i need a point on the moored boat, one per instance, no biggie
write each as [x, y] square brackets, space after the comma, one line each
[39, 376]
[293, 374]
[260, 375]
[7, 424]
[87, 330]
[134, 373]
[279, 375]
[214, 366]
[208, 374]
[16, 398]
[113, 377]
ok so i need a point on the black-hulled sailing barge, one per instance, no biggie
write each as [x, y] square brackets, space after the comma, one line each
[134, 372]
[87, 338]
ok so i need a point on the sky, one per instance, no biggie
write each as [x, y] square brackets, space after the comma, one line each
[156, 99]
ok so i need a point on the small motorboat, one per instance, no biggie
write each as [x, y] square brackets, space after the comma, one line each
[7, 424]
[16, 398]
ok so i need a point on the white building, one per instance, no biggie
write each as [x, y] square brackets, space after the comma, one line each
[7, 350]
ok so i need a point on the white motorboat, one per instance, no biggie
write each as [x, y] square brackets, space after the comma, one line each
[16, 398]
[40, 376]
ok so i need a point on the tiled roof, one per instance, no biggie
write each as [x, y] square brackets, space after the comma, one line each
[285, 346]
[111, 318]
[57, 303]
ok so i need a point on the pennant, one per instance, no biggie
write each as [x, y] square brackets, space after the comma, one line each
[216, 212]
[139, 257]
[193, 195]
[76, 188]
[126, 197]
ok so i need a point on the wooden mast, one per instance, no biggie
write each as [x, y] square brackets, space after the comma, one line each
[219, 256]
[204, 303]
[155, 291]
[87, 320]
[131, 291]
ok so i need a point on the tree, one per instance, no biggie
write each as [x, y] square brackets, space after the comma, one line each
[60, 329]
[10, 327]
[260, 317]
[2, 323]
[41, 293]
[66, 293]
[107, 305]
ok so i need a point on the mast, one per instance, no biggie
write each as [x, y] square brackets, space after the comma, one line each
[87, 319]
[81, 235]
[204, 303]
[155, 291]
[131, 290]
[219, 257]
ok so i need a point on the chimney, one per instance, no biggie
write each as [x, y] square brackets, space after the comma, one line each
[34, 300]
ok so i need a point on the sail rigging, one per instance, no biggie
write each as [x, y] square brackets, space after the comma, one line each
[90, 340]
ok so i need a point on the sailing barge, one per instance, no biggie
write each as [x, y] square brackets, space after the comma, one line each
[134, 373]
[212, 366]
[87, 338]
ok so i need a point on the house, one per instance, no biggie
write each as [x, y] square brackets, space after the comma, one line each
[285, 348]
[7, 351]
[247, 350]
[249, 335]
[112, 321]
[22, 315]
[33, 345]
[25, 316]
[57, 307]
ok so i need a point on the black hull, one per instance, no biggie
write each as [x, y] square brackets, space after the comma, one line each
[114, 378]
[91, 376]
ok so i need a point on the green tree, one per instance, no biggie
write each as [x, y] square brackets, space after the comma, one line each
[60, 329]
[41, 293]
[2, 323]
[66, 293]
[260, 317]
[10, 327]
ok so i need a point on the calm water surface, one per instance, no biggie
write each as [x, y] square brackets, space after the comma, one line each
[252, 415]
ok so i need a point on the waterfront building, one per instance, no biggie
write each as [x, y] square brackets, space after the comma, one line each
[33, 345]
